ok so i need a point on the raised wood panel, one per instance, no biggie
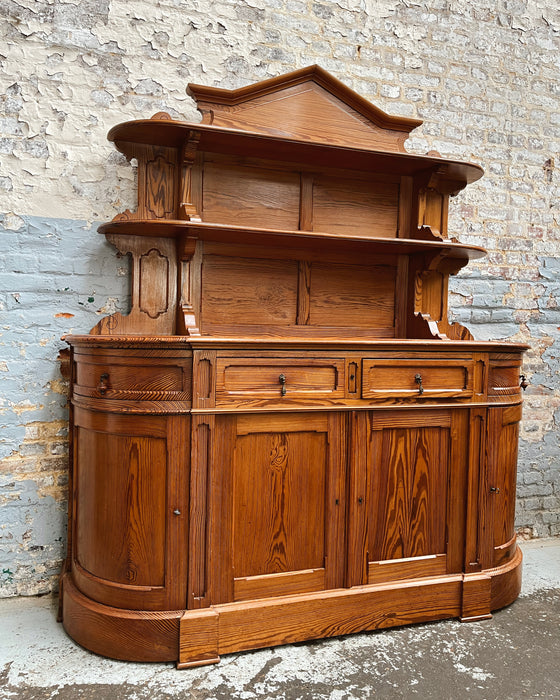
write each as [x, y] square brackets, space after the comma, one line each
[502, 476]
[259, 197]
[355, 207]
[157, 182]
[353, 296]
[130, 509]
[121, 507]
[408, 491]
[249, 291]
[271, 422]
[279, 492]
[154, 296]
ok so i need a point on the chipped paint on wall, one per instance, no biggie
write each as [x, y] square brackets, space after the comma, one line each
[482, 76]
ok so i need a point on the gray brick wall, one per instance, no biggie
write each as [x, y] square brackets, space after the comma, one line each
[484, 78]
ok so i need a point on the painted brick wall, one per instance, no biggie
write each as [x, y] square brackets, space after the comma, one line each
[482, 75]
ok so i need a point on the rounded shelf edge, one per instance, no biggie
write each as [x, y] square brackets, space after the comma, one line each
[172, 228]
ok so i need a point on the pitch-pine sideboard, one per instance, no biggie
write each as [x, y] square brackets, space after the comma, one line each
[286, 439]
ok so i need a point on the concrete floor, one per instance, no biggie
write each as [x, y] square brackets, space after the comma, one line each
[514, 655]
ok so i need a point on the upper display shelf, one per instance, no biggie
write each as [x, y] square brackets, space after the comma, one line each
[304, 240]
[291, 210]
[162, 131]
[306, 116]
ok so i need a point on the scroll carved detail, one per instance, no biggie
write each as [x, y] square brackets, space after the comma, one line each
[430, 299]
[126, 215]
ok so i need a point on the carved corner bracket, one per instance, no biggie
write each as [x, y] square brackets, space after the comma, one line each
[190, 180]
[189, 261]
[430, 294]
[153, 288]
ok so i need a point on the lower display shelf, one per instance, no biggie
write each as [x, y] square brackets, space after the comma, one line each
[199, 637]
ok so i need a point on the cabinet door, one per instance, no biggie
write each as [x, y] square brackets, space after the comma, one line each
[502, 440]
[130, 509]
[277, 510]
[406, 509]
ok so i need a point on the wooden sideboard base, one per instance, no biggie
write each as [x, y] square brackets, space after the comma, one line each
[506, 581]
[200, 637]
[126, 635]
[286, 439]
[491, 589]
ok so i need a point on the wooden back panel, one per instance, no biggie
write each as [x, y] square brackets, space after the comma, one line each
[267, 194]
[248, 195]
[350, 206]
[248, 295]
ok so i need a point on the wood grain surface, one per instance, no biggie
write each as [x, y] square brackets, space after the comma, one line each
[285, 438]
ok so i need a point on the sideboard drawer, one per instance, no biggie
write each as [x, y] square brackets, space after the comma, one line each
[131, 377]
[504, 377]
[417, 378]
[278, 378]
[133, 384]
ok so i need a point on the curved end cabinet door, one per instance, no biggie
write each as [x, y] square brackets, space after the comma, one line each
[130, 520]
[503, 426]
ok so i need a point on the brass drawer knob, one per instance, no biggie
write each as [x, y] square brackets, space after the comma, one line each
[524, 383]
[282, 380]
[418, 380]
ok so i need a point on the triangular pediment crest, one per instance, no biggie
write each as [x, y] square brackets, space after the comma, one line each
[307, 105]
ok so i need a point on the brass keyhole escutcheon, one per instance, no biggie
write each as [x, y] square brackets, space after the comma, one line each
[282, 380]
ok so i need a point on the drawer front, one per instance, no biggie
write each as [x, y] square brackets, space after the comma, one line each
[504, 378]
[278, 378]
[132, 379]
[417, 379]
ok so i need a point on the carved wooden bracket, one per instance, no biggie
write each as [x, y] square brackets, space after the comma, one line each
[189, 257]
[431, 295]
[189, 183]
[154, 290]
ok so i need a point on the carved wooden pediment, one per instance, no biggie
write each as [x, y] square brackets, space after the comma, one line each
[309, 105]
